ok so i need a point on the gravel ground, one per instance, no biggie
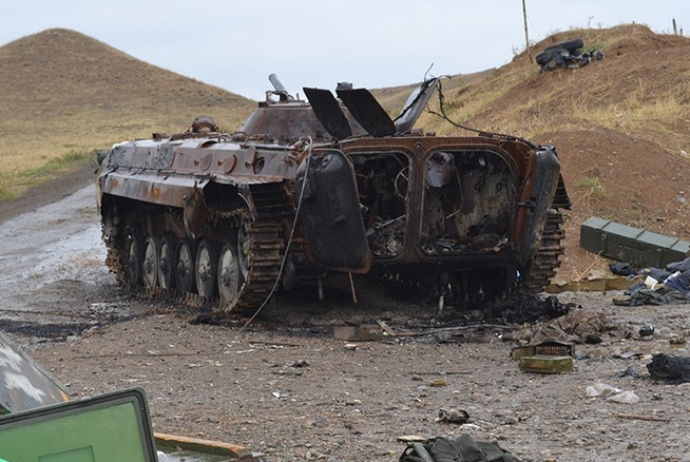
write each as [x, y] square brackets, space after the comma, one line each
[301, 394]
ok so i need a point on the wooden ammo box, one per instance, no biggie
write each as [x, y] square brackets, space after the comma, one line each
[631, 245]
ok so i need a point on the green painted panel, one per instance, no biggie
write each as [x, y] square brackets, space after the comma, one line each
[108, 428]
[84, 454]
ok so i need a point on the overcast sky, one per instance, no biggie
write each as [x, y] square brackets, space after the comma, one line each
[235, 45]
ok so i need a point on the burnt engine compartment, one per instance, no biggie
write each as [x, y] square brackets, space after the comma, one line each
[382, 181]
[468, 204]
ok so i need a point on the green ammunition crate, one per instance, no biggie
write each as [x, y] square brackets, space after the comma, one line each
[631, 245]
[546, 364]
[108, 428]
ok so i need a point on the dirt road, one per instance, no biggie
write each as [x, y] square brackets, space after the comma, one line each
[53, 276]
[284, 386]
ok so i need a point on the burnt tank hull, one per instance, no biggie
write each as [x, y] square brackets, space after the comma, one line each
[231, 217]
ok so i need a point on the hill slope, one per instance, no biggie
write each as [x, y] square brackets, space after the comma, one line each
[620, 126]
[64, 92]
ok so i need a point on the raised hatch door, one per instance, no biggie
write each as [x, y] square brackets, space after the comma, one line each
[331, 213]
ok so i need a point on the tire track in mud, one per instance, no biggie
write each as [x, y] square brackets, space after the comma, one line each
[52, 273]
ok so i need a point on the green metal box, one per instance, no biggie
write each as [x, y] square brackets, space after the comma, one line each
[546, 364]
[114, 427]
[631, 245]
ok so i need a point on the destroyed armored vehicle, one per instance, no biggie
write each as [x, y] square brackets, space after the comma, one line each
[330, 185]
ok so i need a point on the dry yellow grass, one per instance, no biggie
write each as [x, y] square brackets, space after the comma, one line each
[65, 95]
[629, 96]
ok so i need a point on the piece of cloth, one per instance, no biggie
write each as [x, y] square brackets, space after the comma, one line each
[679, 281]
[462, 449]
[679, 266]
[662, 296]
[622, 269]
[656, 273]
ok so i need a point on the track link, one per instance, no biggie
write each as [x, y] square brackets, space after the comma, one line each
[264, 255]
[263, 248]
[547, 258]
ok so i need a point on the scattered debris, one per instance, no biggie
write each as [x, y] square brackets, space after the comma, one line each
[643, 417]
[580, 326]
[453, 416]
[463, 448]
[670, 285]
[615, 395]
[646, 331]
[567, 55]
[624, 397]
[532, 310]
[629, 372]
[674, 369]
[601, 389]
[411, 439]
[300, 363]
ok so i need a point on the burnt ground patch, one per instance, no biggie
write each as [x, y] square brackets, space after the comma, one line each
[55, 332]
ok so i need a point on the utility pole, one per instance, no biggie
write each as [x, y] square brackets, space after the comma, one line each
[524, 16]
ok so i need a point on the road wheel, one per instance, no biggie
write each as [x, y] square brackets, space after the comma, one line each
[149, 266]
[229, 275]
[546, 56]
[244, 247]
[166, 262]
[206, 268]
[571, 45]
[184, 265]
[134, 261]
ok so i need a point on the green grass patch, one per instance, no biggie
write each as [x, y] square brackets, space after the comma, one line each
[591, 187]
[56, 166]
[5, 194]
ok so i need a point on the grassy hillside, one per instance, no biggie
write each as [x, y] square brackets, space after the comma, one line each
[65, 94]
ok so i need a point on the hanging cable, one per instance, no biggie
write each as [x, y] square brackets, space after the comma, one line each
[445, 117]
[289, 242]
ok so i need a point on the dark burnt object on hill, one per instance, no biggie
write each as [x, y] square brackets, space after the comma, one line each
[332, 185]
[567, 55]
